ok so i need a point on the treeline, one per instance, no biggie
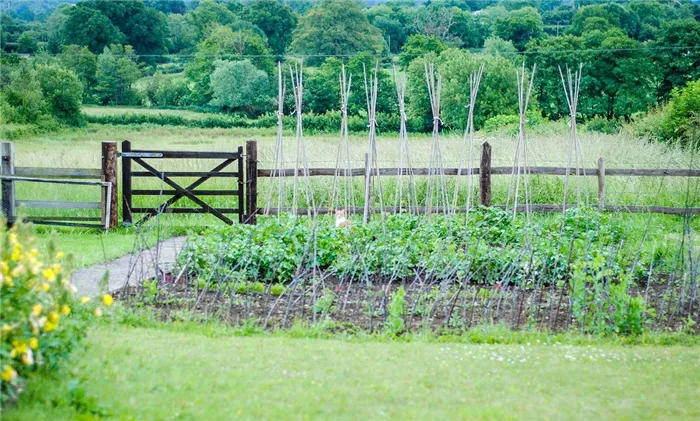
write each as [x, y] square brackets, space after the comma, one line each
[222, 55]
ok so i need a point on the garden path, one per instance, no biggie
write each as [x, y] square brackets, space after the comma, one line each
[131, 269]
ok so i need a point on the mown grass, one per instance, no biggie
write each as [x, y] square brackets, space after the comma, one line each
[131, 373]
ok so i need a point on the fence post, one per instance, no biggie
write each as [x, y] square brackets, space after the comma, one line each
[7, 167]
[251, 170]
[109, 175]
[368, 181]
[601, 184]
[485, 175]
[127, 218]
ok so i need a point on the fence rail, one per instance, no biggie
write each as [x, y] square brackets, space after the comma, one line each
[484, 172]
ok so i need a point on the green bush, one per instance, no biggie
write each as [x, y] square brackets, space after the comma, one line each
[681, 119]
[510, 123]
[603, 125]
[40, 319]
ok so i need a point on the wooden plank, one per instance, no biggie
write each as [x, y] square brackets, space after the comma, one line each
[67, 224]
[170, 174]
[52, 180]
[7, 186]
[63, 218]
[654, 172]
[485, 175]
[182, 210]
[109, 175]
[173, 192]
[127, 216]
[70, 173]
[49, 204]
[251, 182]
[186, 154]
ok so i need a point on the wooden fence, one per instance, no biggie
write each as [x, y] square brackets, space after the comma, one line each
[484, 171]
[104, 177]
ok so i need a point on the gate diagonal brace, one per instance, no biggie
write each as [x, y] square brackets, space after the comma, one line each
[183, 192]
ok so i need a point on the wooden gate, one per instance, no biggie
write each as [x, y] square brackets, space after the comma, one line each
[178, 192]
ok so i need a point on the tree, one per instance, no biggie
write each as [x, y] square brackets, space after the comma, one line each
[417, 46]
[678, 56]
[168, 6]
[84, 63]
[117, 70]
[521, 26]
[497, 93]
[579, 21]
[62, 92]
[335, 27]
[182, 34]
[240, 86]
[395, 24]
[27, 42]
[21, 98]
[207, 16]
[145, 29]
[224, 43]
[54, 28]
[90, 27]
[275, 19]
[495, 46]
[439, 22]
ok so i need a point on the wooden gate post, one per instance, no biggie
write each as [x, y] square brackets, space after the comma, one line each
[251, 169]
[109, 175]
[127, 218]
[7, 167]
[485, 175]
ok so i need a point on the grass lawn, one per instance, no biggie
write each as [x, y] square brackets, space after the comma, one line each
[155, 374]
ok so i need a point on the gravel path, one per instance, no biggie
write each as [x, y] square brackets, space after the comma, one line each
[130, 269]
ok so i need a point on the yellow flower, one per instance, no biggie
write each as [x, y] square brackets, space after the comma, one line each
[37, 309]
[54, 316]
[107, 300]
[8, 373]
[45, 287]
[33, 252]
[34, 343]
[13, 238]
[56, 268]
[28, 357]
[7, 280]
[98, 312]
[19, 347]
[16, 252]
[50, 275]
[4, 268]
[84, 300]
[5, 329]
[65, 309]
[59, 255]
[49, 326]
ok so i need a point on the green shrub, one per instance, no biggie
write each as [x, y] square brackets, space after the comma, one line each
[509, 123]
[603, 125]
[681, 119]
[40, 320]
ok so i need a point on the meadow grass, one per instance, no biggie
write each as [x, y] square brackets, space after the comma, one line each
[145, 373]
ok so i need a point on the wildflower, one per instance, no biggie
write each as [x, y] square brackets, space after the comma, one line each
[56, 268]
[45, 287]
[16, 252]
[7, 280]
[13, 238]
[34, 343]
[50, 275]
[98, 312]
[54, 317]
[5, 329]
[49, 326]
[65, 309]
[8, 373]
[28, 357]
[84, 300]
[19, 347]
[4, 268]
[37, 309]
[33, 252]
[107, 300]
[59, 255]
